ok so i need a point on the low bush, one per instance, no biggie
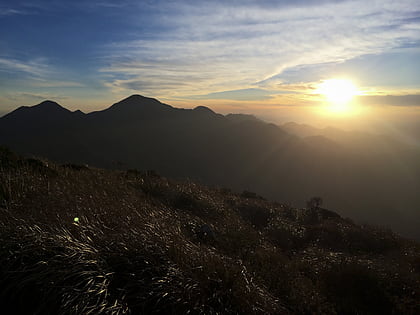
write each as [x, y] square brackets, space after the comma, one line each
[256, 215]
[356, 289]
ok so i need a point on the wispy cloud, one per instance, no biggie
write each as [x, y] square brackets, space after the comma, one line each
[35, 68]
[391, 100]
[37, 73]
[11, 11]
[220, 50]
[237, 95]
[211, 47]
[39, 6]
[34, 96]
[43, 83]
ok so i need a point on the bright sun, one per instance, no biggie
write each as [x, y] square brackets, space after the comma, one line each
[339, 92]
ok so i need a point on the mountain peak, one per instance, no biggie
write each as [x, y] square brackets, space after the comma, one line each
[139, 99]
[203, 109]
[135, 98]
[48, 103]
[138, 103]
[44, 110]
[48, 106]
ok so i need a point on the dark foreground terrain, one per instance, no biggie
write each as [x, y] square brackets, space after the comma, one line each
[146, 244]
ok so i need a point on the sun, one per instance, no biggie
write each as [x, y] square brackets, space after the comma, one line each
[339, 93]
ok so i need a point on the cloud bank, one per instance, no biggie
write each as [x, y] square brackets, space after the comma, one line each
[221, 50]
[205, 48]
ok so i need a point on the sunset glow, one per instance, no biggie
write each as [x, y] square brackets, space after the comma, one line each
[339, 93]
[225, 156]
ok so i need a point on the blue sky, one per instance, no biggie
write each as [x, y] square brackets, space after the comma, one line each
[88, 54]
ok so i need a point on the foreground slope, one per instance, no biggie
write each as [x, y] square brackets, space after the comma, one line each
[146, 244]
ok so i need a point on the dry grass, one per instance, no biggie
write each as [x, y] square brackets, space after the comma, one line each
[146, 244]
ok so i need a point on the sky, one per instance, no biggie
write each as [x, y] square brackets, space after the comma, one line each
[261, 57]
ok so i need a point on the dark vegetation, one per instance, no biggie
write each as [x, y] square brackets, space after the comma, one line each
[147, 244]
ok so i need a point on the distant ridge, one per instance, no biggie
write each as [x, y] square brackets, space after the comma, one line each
[241, 117]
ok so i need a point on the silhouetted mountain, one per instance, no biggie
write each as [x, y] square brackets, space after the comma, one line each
[43, 112]
[136, 107]
[369, 178]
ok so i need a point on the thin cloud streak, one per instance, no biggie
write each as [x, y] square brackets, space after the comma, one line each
[36, 73]
[9, 12]
[36, 68]
[391, 100]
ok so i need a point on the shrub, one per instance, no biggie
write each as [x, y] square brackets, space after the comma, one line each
[76, 167]
[4, 193]
[8, 159]
[355, 289]
[314, 203]
[285, 238]
[250, 195]
[256, 215]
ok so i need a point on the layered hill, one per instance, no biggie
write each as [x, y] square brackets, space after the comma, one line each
[78, 240]
[370, 180]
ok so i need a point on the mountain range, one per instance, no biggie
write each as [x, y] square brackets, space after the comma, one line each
[372, 179]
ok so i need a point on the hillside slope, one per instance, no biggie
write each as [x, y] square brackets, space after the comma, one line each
[143, 243]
